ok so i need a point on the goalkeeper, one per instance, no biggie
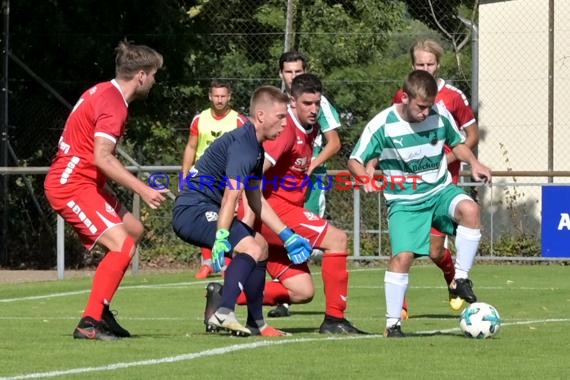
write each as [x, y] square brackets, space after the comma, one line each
[203, 213]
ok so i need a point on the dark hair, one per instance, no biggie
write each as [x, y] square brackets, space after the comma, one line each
[218, 83]
[292, 56]
[266, 95]
[131, 58]
[420, 83]
[306, 83]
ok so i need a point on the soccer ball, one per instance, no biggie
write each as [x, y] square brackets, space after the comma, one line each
[480, 320]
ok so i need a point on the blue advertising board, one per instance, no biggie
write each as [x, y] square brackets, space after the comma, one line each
[556, 221]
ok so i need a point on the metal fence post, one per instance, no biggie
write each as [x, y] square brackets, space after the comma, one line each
[356, 222]
[60, 236]
[135, 263]
[379, 223]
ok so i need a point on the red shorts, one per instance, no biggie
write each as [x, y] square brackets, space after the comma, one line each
[454, 171]
[435, 232]
[303, 222]
[90, 211]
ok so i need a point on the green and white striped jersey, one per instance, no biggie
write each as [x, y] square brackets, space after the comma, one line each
[410, 151]
[328, 120]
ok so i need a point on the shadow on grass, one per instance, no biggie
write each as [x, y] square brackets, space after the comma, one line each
[302, 330]
[433, 333]
[309, 312]
[433, 316]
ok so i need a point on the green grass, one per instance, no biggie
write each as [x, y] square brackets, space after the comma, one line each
[164, 311]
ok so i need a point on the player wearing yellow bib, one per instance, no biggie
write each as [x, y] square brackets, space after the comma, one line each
[408, 139]
[207, 126]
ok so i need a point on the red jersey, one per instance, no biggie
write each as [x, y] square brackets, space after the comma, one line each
[101, 111]
[453, 99]
[290, 154]
[458, 106]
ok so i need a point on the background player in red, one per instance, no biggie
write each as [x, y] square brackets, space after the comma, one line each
[287, 160]
[426, 55]
[327, 144]
[76, 183]
[206, 126]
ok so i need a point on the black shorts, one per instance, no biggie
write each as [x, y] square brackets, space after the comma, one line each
[197, 224]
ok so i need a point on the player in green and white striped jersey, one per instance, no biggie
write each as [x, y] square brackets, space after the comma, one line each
[408, 140]
[327, 143]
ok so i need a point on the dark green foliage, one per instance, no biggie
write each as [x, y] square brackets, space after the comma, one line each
[359, 49]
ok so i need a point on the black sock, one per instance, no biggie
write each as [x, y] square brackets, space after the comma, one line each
[236, 276]
[254, 292]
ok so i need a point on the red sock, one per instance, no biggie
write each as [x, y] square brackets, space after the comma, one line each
[446, 265]
[335, 281]
[273, 294]
[108, 276]
[241, 300]
[206, 254]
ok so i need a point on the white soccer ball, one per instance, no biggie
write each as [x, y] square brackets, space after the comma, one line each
[480, 320]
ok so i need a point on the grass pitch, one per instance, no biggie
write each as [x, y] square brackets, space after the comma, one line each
[164, 312]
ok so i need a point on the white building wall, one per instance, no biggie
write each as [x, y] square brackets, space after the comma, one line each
[513, 108]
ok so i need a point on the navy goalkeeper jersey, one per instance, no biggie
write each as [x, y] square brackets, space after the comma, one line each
[235, 155]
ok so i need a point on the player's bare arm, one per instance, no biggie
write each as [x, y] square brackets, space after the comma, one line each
[189, 154]
[262, 209]
[331, 148]
[471, 140]
[254, 186]
[266, 165]
[268, 215]
[106, 161]
[232, 194]
[248, 214]
[479, 172]
[472, 136]
[356, 168]
[370, 169]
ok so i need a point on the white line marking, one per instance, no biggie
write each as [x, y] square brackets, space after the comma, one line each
[233, 348]
[65, 294]
[31, 298]
[177, 358]
[184, 285]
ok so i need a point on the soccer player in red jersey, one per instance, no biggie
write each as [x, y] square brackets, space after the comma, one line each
[426, 55]
[76, 183]
[287, 159]
[205, 127]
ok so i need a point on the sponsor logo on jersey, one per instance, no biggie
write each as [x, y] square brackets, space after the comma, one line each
[400, 141]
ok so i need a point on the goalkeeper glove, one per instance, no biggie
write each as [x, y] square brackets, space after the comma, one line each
[298, 248]
[220, 248]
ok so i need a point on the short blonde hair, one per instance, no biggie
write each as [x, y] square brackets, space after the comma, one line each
[428, 45]
[266, 95]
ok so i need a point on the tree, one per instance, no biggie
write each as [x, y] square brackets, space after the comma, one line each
[357, 47]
